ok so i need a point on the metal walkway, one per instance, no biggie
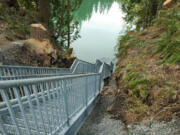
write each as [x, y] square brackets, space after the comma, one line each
[49, 101]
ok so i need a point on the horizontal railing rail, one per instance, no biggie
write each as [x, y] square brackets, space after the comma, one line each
[32, 76]
[52, 102]
[35, 100]
[19, 72]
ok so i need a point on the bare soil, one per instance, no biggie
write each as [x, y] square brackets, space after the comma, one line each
[33, 53]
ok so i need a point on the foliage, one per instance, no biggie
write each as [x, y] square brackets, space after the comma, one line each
[58, 18]
[28, 4]
[168, 45]
[148, 61]
[61, 22]
[140, 12]
[123, 45]
[15, 27]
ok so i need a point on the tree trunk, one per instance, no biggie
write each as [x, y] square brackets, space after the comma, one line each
[62, 15]
[44, 11]
[69, 23]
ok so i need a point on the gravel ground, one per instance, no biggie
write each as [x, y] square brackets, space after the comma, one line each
[100, 123]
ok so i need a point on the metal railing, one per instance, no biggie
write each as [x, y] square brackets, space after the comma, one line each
[49, 104]
[22, 72]
[45, 105]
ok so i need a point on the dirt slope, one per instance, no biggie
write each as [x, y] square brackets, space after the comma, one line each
[24, 44]
[148, 71]
[32, 52]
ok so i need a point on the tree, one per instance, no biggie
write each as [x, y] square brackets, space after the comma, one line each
[64, 27]
[140, 12]
[44, 11]
[69, 22]
[56, 15]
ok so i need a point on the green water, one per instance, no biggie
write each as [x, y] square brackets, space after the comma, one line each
[89, 6]
[101, 23]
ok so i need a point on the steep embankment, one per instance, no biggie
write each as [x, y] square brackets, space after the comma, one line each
[24, 44]
[148, 70]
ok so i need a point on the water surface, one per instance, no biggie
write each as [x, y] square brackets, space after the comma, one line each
[99, 32]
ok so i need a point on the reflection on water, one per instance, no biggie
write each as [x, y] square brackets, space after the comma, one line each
[88, 6]
[99, 33]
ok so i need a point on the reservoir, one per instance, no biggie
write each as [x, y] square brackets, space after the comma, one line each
[99, 32]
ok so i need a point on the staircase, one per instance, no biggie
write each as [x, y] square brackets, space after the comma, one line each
[49, 101]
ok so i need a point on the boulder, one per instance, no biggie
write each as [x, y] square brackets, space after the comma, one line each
[40, 47]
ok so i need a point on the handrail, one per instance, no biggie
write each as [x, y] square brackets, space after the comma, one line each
[15, 83]
[18, 71]
[50, 103]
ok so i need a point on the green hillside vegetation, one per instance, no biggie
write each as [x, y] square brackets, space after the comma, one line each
[148, 68]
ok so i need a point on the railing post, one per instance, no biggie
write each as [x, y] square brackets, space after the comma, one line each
[3, 130]
[86, 91]
[100, 79]
[65, 100]
[95, 86]
[11, 111]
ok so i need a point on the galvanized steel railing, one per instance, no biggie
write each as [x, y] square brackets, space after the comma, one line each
[22, 72]
[45, 105]
[49, 105]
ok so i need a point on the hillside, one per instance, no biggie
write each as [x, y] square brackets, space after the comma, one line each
[23, 44]
[148, 70]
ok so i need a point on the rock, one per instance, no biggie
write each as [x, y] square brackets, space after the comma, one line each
[17, 43]
[39, 47]
[39, 32]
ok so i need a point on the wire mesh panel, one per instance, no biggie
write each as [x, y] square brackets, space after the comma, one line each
[24, 72]
[21, 72]
[44, 105]
[48, 102]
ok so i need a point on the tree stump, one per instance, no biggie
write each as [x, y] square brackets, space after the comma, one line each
[39, 32]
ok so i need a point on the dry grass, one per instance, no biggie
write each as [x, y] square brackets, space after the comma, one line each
[148, 83]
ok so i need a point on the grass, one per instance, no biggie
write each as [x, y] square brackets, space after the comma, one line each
[147, 66]
[168, 45]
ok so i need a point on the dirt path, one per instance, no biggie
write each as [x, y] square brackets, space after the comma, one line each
[100, 123]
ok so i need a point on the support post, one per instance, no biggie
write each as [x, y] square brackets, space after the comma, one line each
[66, 103]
